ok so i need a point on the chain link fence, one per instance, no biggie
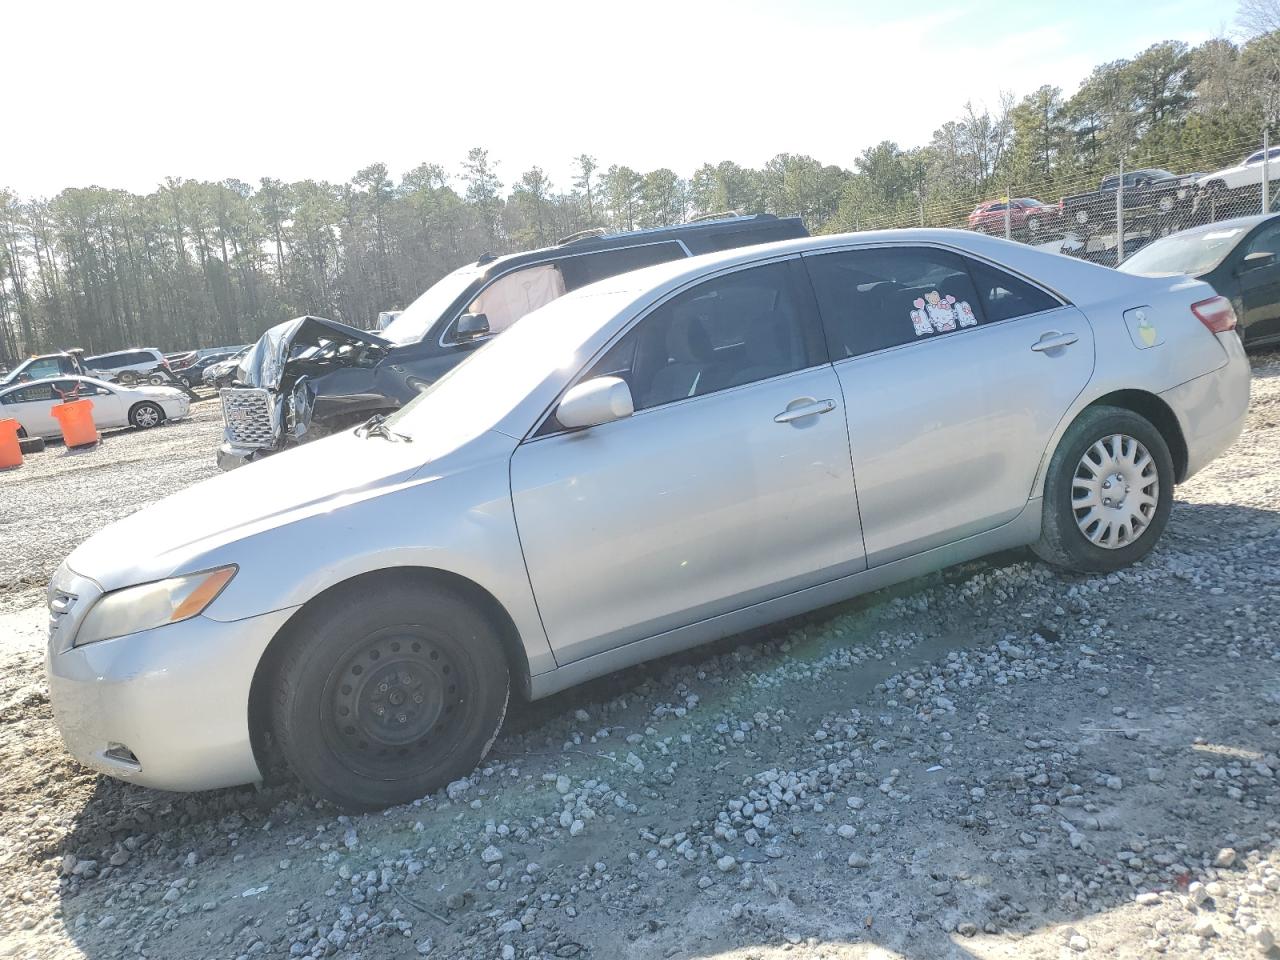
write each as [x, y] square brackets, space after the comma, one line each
[1107, 215]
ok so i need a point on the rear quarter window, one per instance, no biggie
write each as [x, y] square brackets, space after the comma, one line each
[1004, 297]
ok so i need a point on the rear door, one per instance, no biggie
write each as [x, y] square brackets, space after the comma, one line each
[109, 408]
[955, 374]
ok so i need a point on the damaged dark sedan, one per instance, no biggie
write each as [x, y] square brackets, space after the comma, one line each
[309, 377]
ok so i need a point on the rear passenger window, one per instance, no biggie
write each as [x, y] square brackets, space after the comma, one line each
[1005, 297]
[884, 297]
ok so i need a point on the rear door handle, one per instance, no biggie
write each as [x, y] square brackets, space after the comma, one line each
[811, 409]
[1052, 340]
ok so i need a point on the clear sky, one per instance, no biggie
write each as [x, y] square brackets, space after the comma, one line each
[123, 94]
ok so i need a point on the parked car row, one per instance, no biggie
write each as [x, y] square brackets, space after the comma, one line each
[1155, 202]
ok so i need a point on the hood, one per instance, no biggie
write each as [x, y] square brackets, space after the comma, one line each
[178, 533]
[264, 364]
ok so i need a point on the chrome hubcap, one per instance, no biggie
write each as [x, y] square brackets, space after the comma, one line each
[1115, 491]
[147, 417]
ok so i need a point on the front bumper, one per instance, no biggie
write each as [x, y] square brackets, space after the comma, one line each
[231, 456]
[166, 708]
[1211, 409]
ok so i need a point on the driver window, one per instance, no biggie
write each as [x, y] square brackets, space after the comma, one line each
[510, 297]
[732, 330]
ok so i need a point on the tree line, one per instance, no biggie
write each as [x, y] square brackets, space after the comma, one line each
[198, 263]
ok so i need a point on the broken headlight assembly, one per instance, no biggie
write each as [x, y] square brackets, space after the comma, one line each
[148, 605]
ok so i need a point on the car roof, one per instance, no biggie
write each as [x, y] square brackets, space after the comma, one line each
[5, 388]
[1245, 223]
[1009, 255]
[694, 235]
[116, 353]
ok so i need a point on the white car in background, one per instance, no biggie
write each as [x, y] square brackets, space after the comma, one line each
[1246, 173]
[31, 404]
[122, 364]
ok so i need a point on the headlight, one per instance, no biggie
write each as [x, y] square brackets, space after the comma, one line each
[148, 605]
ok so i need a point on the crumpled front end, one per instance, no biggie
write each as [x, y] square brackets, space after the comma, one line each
[252, 425]
[270, 406]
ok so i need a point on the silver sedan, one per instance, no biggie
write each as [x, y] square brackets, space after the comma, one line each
[649, 463]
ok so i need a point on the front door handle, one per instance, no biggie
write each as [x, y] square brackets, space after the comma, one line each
[1052, 340]
[809, 409]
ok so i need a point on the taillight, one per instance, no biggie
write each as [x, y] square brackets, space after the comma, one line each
[1216, 313]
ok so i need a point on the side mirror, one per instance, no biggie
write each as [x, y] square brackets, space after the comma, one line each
[1254, 261]
[472, 327]
[595, 401]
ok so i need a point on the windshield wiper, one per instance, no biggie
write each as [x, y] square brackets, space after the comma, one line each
[376, 426]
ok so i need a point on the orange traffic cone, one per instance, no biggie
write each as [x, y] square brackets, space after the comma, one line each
[76, 419]
[10, 449]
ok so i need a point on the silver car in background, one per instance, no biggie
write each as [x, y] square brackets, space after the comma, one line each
[649, 463]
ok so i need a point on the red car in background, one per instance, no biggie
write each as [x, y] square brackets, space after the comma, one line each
[1026, 216]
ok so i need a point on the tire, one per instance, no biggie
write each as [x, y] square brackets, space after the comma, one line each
[146, 415]
[22, 433]
[1063, 538]
[332, 678]
[1033, 226]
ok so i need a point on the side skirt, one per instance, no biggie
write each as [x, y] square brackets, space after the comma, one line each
[1020, 531]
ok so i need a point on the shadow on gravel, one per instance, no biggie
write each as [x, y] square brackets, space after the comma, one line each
[1021, 892]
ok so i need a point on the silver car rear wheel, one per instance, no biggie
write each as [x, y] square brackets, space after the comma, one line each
[1108, 491]
[1115, 491]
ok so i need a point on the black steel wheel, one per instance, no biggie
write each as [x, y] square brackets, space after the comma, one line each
[394, 700]
[387, 691]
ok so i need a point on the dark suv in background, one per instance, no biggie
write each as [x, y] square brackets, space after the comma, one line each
[309, 377]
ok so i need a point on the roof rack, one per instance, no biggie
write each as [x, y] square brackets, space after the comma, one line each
[723, 215]
[588, 234]
[486, 258]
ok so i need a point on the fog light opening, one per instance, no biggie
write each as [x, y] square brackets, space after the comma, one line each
[121, 754]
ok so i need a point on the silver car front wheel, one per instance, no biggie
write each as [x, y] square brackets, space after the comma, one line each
[1115, 491]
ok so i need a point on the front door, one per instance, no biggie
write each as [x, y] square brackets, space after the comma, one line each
[729, 485]
[1260, 286]
[109, 409]
[955, 375]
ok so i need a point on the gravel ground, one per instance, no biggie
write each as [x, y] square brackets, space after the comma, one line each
[60, 497]
[997, 761]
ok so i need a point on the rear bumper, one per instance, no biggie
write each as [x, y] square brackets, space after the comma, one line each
[1211, 409]
[166, 708]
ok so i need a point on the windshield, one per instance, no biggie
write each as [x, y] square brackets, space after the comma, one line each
[417, 318]
[1189, 253]
[480, 391]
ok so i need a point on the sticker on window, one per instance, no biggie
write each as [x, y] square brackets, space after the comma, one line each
[935, 313]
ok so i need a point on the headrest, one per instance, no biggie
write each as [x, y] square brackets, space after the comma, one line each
[688, 341]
